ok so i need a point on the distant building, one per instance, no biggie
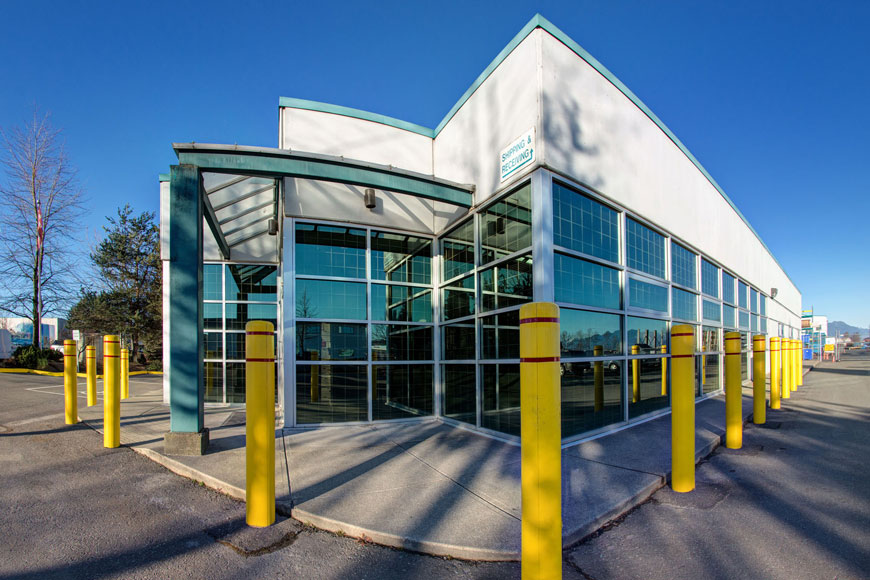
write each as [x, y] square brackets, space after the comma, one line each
[21, 330]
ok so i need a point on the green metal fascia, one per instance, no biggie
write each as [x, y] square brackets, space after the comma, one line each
[355, 113]
[279, 166]
[163, 177]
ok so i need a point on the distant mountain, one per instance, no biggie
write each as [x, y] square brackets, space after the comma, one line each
[843, 328]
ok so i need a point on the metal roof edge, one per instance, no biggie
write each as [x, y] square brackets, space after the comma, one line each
[293, 103]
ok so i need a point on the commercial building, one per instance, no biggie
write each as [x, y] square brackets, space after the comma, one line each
[393, 258]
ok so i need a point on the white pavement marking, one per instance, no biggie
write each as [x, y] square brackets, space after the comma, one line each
[34, 420]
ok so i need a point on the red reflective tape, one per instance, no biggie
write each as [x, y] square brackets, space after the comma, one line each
[530, 320]
[732, 338]
[111, 342]
[259, 360]
[253, 332]
[69, 355]
[732, 353]
[540, 359]
[682, 334]
[677, 356]
[111, 356]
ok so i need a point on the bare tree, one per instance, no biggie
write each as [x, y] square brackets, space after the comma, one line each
[40, 204]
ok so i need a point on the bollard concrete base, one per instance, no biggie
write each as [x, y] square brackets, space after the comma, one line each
[182, 443]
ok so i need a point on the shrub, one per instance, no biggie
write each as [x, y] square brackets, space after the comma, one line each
[32, 357]
[155, 365]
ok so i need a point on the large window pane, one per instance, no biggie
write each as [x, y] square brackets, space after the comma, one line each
[235, 345]
[647, 334]
[460, 393]
[741, 294]
[584, 225]
[709, 339]
[331, 393]
[708, 373]
[235, 382]
[401, 303]
[585, 283]
[709, 278]
[252, 283]
[401, 391]
[729, 316]
[401, 258]
[213, 345]
[647, 296]
[762, 305]
[501, 335]
[647, 386]
[238, 315]
[213, 377]
[683, 266]
[212, 315]
[331, 341]
[328, 299]
[330, 251]
[645, 249]
[457, 251]
[458, 341]
[743, 319]
[711, 310]
[501, 398]
[728, 288]
[458, 298]
[508, 284]
[401, 342]
[753, 300]
[685, 304]
[506, 226]
[580, 331]
[212, 282]
[592, 399]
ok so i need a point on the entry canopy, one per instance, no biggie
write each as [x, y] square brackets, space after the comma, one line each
[240, 191]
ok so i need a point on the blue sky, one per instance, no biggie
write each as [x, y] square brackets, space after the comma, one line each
[772, 97]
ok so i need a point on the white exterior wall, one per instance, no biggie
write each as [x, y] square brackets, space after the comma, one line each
[503, 107]
[596, 135]
[358, 139]
[164, 257]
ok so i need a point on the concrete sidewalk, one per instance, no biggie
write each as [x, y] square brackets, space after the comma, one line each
[427, 487]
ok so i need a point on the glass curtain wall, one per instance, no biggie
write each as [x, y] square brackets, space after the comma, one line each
[364, 324]
[233, 294]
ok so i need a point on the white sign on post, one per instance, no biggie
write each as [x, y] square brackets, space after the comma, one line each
[519, 154]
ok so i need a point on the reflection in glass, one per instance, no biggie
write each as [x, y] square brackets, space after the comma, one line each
[753, 300]
[501, 398]
[500, 335]
[235, 345]
[401, 342]
[709, 278]
[762, 305]
[331, 393]
[586, 283]
[584, 225]
[212, 281]
[592, 399]
[647, 334]
[729, 316]
[401, 258]
[741, 294]
[458, 341]
[754, 323]
[645, 249]
[707, 373]
[647, 386]
[235, 382]
[684, 304]
[647, 296]
[457, 251]
[401, 391]
[683, 266]
[460, 393]
[711, 310]
[324, 250]
[709, 339]
[508, 284]
[506, 226]
[458, 298]
[401, 303]
[238, 315]
[727, 287]
[213, 378]
[331, 341]
[580, 331]
[253, 283]
[743, 319]
[213, 345]
[328, 299]
[212, 315]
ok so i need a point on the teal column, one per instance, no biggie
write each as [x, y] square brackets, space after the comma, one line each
[186, 389]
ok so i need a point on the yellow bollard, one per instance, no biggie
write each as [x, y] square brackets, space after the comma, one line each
[260, 424]
[540, 417]
[125, 373]
[799, 363]
[733, 392]
[111, 392]
[664, 371]
[703, 368]
[635, 375]
[315, 379]
[70, 383]
[91, 374]
[775, 392]
[759, 380]
[786, 369]
[683, 408]
[598, 378]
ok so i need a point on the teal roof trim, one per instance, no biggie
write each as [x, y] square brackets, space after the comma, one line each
[537, 21]
[163, 177]
[355, 113]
